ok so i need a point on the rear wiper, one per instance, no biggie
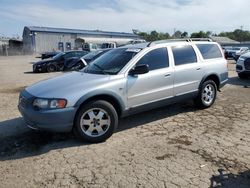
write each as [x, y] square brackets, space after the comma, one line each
[100, 68]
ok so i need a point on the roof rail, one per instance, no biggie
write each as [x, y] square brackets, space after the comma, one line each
[178, 40]
[202, 39]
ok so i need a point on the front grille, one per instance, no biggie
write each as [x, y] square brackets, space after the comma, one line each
[247, 64]
[22, 101]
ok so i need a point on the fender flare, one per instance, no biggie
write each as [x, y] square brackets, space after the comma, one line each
[101, 93]
[206, 76]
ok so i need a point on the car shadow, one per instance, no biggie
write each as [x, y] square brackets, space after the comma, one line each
[229, 180]
[239, 82]
[23, 142]
[155, 114]
[18, 141]
[29, 72]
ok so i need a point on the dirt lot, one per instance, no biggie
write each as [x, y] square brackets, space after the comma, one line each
[176, 146]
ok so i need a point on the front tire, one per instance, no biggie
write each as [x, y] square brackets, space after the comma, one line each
[207, 94]
[95, 122]
[51, 68]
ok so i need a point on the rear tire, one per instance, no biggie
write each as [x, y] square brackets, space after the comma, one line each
[95, 122]
[51, 68]
[207, 94]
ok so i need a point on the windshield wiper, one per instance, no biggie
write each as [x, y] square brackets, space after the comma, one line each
[100, 68]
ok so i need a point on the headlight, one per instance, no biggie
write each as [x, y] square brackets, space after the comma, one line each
[242, 58]
[49, 103]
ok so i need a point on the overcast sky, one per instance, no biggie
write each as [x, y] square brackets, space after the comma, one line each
[125, 15]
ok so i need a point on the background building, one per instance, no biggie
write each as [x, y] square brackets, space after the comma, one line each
[224, 41]
[41, 39]
[4, 45]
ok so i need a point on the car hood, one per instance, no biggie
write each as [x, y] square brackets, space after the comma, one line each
[67, 85]
[44, 61]
[245, 55]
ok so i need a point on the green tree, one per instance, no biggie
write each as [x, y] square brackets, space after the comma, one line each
[154, 35]
[184, 34]
[177, 34]
[201, 34]
[238, 35]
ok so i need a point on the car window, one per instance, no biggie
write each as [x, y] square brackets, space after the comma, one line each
[58, 56]
[90, 55]
[209, 51]
[184, 55]
[69, 55]
[112, 61]
[155, 59]
[80, 53]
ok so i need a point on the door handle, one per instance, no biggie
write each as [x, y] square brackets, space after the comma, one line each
[198, 68]
[167, 75]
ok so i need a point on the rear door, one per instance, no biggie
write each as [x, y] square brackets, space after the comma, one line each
[188, 70]
[155, 85]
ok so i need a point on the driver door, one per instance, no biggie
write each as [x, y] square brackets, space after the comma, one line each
[153, 86]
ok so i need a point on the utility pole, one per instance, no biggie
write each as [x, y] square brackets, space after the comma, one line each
[241, 28]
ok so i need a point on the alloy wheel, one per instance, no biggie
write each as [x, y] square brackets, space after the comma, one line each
[95, 122]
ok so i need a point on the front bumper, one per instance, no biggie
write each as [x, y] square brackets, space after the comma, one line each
[39, 68]
[56, 120]
[242, 67]
[223, 79]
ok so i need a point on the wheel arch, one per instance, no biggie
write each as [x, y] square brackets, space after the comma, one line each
[212, 76]
[113, 99]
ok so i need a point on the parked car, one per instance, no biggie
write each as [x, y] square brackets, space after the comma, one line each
[225, 48]
[137, 41]
[77, 63]
[238, 54]
[124, 81]
[243, 66]
[108, 45]
[57, 62]
[90, 47]
[231, 53]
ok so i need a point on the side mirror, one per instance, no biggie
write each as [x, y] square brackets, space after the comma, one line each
[139, 69]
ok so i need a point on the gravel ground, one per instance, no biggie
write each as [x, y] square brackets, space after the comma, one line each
[175, 146]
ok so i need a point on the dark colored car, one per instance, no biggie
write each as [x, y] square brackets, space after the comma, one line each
[234, 52]
[77, 63]
[57, 62]
[236, 56]
[243, 66]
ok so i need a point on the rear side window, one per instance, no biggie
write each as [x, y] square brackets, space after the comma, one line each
[209, 51]
[69, 55]
[155, 59]
[80, 54]
[184, 55]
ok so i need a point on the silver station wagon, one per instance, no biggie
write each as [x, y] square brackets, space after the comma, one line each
[124, 81]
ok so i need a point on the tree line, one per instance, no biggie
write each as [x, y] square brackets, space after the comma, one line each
[238, 35]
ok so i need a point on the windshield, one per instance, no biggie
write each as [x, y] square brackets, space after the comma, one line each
[112, 61]
[92, 54]
[58, 55]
